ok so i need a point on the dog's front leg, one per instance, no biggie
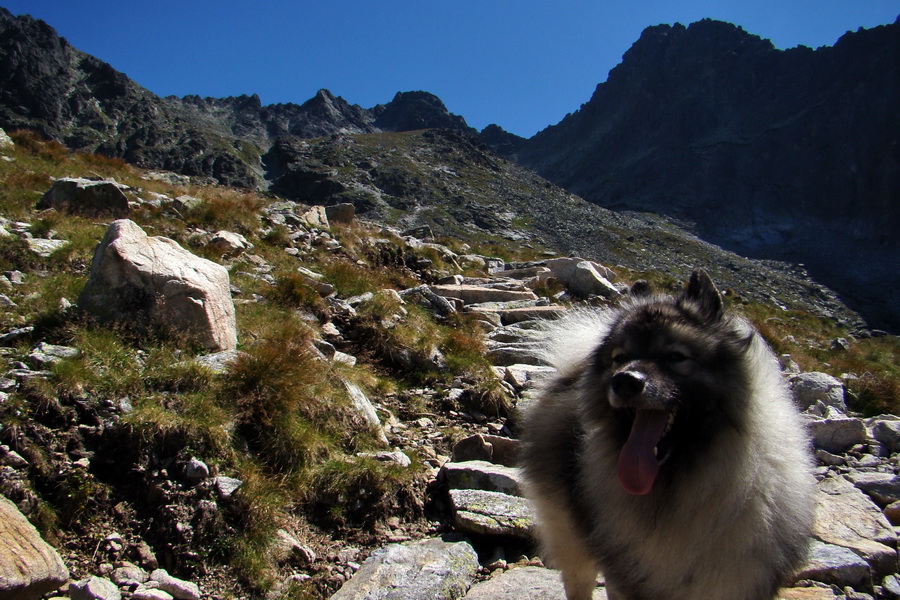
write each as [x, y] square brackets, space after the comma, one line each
[579, 581]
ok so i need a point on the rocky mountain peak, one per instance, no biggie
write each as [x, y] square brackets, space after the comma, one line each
[409, 111]
[773, 153]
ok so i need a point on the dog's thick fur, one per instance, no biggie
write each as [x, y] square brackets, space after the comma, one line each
[725, 511]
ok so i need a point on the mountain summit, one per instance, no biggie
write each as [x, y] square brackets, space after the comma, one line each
[786, 154]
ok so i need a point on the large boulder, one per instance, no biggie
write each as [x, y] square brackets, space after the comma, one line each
[29, 567]
[430, 569]
[582, 277]
[811, 388]
[154, 282]
[86, 197]
[524, 583]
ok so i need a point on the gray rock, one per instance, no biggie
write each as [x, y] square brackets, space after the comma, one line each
[228, 243]
[834, 565]
[144, 592]
[811, 388]
[287, 546]
[475, 294]
[316, 217]
[94, 588]
[186, 202]
[883, 488]
[226, 486]
[582, 277]
[489, 448]
[129, 575]
[44, 247]
[11, 458]
[341, 213]
[12, 336]
[524, 583]
[429, 569]
[195, 469]
[846, 517]
[43, 355]
[481, 475]
[6, 142]
[891, 585]
[480, 512]
[512, 316]
[837, 435]
[396, 457]
[145, 556]
[526, 376]
[424, 296]
[515, 354]
[135, 277]
[364, 407]
[87, 198]
[57, 351]
[888, 433]
[218, 362]
[29, 567]
[183, 590]
[526, 272]
[587, 282]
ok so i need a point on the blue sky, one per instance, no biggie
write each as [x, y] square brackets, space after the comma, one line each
[522, 64]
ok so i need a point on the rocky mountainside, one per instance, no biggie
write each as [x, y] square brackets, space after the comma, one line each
[450, 184]
[791, 154]
[339, 412]
[786, 155]
[69, 96]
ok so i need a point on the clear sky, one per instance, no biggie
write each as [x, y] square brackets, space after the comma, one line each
[522, 64]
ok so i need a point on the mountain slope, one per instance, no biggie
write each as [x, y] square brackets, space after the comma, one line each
[793, 154]
[71, 97]
[790, 155]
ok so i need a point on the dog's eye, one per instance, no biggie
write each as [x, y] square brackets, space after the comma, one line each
[675, 357]
[618, 356]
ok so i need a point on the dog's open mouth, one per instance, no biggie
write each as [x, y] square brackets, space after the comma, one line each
[641, 455]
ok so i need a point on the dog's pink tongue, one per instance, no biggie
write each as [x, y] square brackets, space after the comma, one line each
[637, 463]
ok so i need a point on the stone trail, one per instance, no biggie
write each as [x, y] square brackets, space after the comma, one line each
[854, 555]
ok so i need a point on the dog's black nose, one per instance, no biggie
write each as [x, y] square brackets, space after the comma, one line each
[628, 384]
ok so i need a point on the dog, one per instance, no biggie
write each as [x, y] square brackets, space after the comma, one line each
[666, 453]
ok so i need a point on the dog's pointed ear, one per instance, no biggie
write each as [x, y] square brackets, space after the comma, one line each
[702, 293]
[640, 288]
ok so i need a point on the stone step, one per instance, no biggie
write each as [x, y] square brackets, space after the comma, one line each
[473, 294]
[511, 316]
[478, 512]
[429, 569]
[524, 583]
[482, 475]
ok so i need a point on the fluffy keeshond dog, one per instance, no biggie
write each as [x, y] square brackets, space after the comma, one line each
[667, 454]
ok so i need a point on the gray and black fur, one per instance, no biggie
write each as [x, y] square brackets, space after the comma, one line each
[724, 509]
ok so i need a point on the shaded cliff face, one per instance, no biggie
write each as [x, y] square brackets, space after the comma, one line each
[780, 154]
[710, 117]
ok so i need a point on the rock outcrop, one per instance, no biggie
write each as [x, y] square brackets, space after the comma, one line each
[87, 198]
[153, 281]
[29, 567]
